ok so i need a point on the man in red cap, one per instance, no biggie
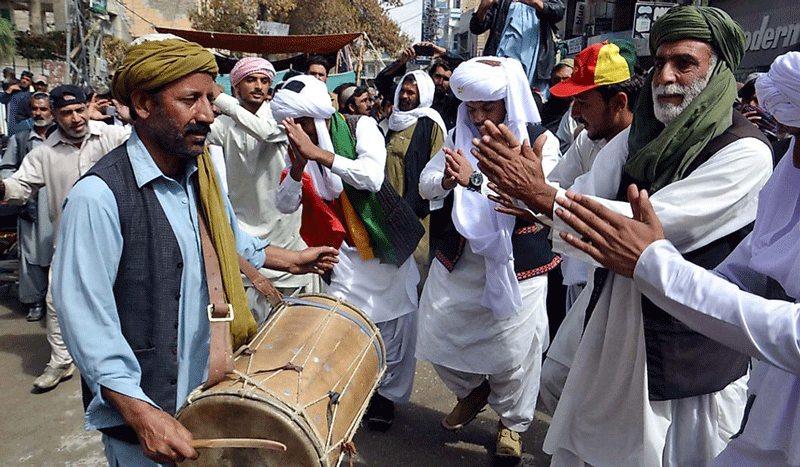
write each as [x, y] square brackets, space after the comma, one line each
[604, 87]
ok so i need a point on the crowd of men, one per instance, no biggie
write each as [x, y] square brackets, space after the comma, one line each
[533, 228]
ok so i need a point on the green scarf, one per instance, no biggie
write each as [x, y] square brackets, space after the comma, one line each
[364, 202]
[660, 155]
[244, 325]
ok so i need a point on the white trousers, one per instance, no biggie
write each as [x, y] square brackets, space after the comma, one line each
[695, 430]
[400, 339]
[554, 376]
[59, 355]
[513, 392]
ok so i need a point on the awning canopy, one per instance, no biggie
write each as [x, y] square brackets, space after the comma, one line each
[257, 44]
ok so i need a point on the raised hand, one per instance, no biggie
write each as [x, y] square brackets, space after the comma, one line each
[515, 169]
[614, 240]
[457, 169]
[301, 143]
[408, 55]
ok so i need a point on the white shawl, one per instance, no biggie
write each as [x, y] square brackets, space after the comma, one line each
[489, 232]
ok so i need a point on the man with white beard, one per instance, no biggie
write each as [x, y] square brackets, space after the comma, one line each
[727, 303]
[643, 389]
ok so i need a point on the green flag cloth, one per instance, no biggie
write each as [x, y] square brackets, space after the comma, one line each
[364, 202]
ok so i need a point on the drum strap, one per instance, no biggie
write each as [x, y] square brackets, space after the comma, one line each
[220, 313]
[261, 283]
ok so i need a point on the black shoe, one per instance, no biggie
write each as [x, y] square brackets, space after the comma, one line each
[35, 312]
[380, 413]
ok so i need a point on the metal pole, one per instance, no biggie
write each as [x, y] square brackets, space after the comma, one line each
[360, 65]
[68, 78]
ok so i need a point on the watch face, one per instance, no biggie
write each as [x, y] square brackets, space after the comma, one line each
[476, 179]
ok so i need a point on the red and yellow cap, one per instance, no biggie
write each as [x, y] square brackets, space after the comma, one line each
[598, 65]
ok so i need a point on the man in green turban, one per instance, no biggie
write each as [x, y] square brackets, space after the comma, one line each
[129, 271]
[643, 389]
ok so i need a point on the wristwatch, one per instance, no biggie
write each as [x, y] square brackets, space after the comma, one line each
[475, 181]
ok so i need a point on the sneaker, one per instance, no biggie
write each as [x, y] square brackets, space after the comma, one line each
[35, 312]
[468, 408]
[53, 375]
[380, 413]
[509, 445]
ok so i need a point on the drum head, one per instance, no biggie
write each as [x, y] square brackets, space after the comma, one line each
[232, 416]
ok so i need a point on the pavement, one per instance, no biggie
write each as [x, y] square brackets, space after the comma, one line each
[43, 430]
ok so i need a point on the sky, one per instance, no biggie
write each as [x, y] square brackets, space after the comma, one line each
[409, 17]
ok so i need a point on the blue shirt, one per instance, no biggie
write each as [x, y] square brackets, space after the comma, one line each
[85, 268]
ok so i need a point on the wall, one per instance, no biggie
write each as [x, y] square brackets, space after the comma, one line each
[772, 28]
[166, 13]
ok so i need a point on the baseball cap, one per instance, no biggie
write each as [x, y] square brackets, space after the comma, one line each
[66, 94]
[40, 79]
[598, 65]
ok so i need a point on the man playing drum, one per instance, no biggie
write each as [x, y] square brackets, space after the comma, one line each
[128, 273]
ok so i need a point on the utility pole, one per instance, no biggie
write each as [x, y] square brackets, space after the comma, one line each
[430, 20]
[85, 62]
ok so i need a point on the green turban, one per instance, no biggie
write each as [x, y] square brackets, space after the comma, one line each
[659, 155]
[156, 63]
[704, 23]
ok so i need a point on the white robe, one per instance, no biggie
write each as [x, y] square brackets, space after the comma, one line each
[765, 329]
[382, 291]
[604, 417]
[455, 330]
[255, 146]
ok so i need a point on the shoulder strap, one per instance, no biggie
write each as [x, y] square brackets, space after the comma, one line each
[261, 283]
[220, 359]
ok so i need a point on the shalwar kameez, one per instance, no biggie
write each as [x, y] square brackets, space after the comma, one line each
[479, 319]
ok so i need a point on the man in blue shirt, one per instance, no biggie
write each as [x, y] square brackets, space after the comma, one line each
[128, 271]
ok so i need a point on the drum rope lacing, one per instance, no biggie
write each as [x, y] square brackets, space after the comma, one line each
[298, 411]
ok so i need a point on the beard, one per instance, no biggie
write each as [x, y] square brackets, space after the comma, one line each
[74, 134]
[175, 142]
[42, 122]
[404, 105]
[666, 113]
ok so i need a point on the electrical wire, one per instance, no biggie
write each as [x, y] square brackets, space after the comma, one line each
[137, 14]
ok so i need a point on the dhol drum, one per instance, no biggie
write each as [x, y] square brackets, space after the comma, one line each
[305, 380]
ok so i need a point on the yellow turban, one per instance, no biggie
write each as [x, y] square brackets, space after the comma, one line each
[153, 64]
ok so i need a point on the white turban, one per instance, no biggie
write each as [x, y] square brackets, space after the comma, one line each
[489, 232]
[778, 90]
[306, 96]
[400, 120]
